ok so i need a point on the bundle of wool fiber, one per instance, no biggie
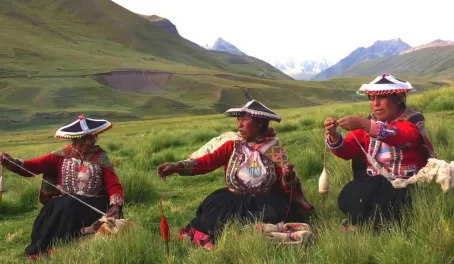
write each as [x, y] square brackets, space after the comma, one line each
[436, 170]
[284, 233]
[214, 144]
[112, 226]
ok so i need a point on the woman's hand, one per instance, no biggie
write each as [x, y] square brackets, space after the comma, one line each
[167, 169]
[350, 123]
[331, 129]
[287, 170]
[114, 211]
[5, 160]
[330, 126]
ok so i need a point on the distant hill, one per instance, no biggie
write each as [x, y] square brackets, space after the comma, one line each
[380, 49]
[85, 36]
[163, 22]
[435, 62]
[433, 44]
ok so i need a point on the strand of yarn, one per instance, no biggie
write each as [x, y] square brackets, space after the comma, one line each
[63, 191]
[373, 162]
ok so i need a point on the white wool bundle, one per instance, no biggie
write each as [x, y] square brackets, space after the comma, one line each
[288, 233]
[112, 226]
[323, 182]
[440, 171]
[298, 237]
[215, 143]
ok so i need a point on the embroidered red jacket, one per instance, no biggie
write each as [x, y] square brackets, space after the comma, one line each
[230, 156]
[401, 145]
[69, 174]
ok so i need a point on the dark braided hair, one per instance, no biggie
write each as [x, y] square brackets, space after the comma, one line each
[264, 124]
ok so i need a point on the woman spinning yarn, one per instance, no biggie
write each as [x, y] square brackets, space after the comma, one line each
[396, 144]
[81, 169]
[259, 179]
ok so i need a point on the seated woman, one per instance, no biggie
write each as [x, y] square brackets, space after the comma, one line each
[392, 143]
[82, 169]
[260, 180]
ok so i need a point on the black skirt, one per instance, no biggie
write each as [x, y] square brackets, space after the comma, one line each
[62, 218]
[373, 199]
[223, 205]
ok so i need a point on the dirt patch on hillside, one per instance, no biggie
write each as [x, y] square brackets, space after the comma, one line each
[135, 81]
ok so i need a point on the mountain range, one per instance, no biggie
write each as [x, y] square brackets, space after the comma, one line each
[381, 56]
[379, 49]
[301, 69]
[304, 69]
[58, 58]
[431, 60]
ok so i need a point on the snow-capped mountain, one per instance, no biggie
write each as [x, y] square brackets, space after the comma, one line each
[223, 45]
[303, 69]
[300, 69]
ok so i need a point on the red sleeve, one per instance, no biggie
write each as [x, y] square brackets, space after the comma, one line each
[347, 148]
[397, 134]
[46, 163]
[209, 162]
[113, 187]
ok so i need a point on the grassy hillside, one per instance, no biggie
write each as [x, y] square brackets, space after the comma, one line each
[61, 58]
[435, 62]
[88, 36]
[136, 148]
[27, 102]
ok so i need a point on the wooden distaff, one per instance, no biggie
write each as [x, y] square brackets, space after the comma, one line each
[2, 182]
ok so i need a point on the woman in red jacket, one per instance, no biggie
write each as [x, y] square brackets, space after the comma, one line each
[392, 143]
[260, 182]
[82, 169]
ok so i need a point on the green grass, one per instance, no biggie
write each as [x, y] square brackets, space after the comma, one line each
[137, 147]
[27, 102]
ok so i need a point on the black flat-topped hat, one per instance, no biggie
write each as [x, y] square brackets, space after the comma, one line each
[81, 127]
[255, 109]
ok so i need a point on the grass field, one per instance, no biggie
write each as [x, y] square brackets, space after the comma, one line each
[27, 102]
[137, 147]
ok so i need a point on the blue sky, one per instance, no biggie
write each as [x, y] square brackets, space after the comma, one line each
[277, 30]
